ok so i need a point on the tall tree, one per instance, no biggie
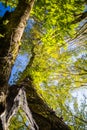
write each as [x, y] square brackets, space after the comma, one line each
[9, 46]
[12, 98]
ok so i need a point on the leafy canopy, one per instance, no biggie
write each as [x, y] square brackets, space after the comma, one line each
[56, 68]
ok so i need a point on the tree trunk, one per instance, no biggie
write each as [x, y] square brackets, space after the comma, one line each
[44, 116]
[10, 43]
[38, 113]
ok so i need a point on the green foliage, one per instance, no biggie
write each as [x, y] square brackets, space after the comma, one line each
[57, 16]
[76, 115]
[12, 3]
[53, 70]
[57, 68]
[1, 35]
[19, 121]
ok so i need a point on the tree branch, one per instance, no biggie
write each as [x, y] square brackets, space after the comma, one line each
[79, 18]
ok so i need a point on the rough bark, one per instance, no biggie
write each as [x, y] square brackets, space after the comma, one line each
[10, 43]
[44, 116]
[12, 32]
[16, 100]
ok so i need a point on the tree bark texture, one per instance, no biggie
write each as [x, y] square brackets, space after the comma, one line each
[37, 110]
[44, 116]
[10, 43]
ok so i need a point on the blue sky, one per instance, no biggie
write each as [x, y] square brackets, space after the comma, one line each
[3, 9]
[20, 64]
[22, 60]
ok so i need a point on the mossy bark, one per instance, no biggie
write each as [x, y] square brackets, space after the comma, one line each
[45, 118]
[10, 43]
